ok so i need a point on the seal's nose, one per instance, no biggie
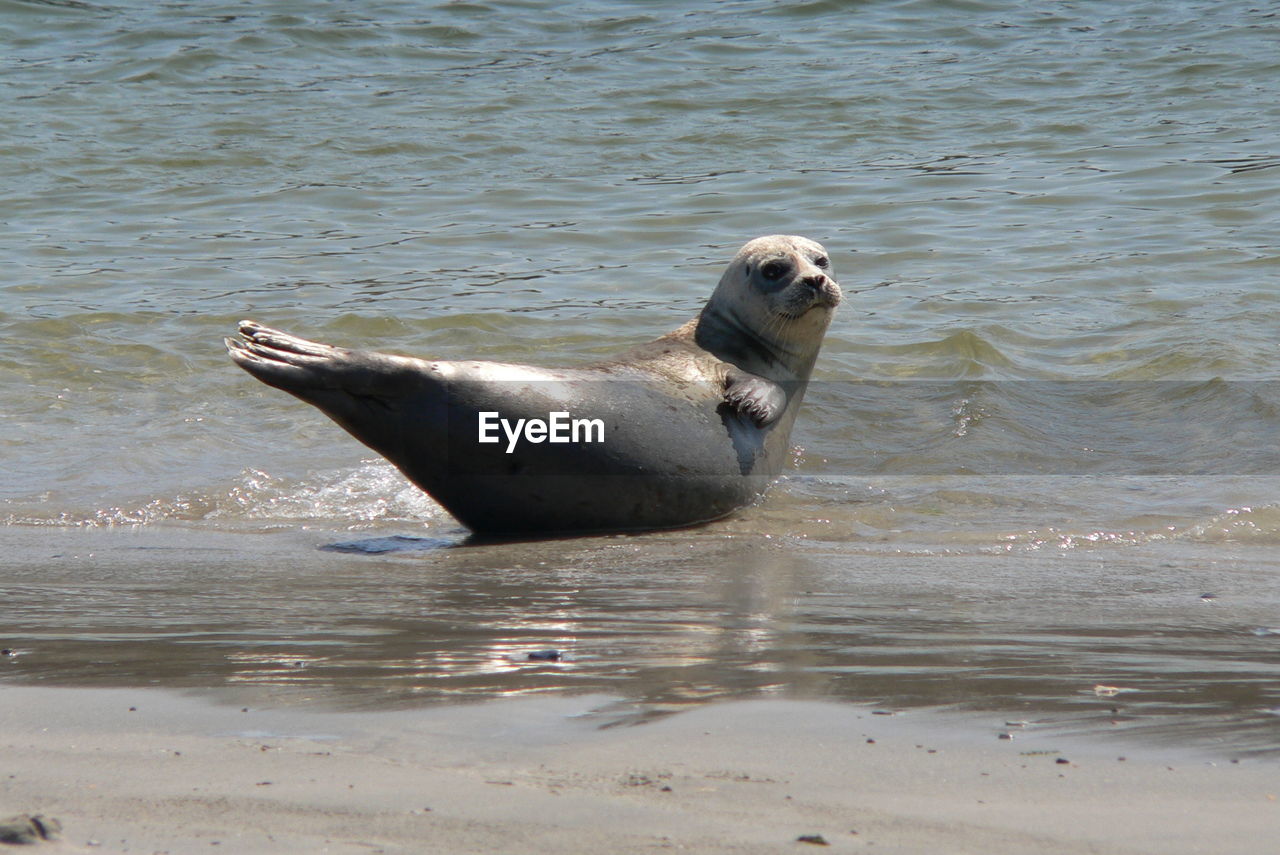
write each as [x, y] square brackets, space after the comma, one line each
[823, 289]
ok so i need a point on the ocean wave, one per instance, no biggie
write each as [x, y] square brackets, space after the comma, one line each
[1246, 525]
[994, 428]
[372, 493]
[1253, 525]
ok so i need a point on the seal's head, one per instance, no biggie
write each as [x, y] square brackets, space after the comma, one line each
[772, 307]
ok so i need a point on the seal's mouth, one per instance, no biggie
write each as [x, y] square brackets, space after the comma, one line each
[805, 295]
[828, 295]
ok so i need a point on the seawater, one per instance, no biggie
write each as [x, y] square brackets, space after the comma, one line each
[1047, 411]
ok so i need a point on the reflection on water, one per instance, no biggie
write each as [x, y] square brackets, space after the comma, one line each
[664, 621]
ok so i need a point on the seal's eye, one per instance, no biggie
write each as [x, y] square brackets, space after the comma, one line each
[773, 270]
[822, 261]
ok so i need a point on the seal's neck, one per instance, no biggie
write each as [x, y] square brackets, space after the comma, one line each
[721, 331]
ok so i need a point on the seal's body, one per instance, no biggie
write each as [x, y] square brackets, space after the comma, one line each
[682, 430]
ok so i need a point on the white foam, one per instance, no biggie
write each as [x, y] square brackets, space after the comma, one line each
[372, 492]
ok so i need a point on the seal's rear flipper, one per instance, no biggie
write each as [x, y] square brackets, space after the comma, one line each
[280, 360]
[308, 369]
[377, 397]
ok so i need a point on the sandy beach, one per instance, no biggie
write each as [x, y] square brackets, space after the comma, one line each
[154, 771]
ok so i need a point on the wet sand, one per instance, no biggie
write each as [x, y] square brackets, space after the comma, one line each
[128, 770]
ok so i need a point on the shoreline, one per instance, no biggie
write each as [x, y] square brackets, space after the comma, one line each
[153, 770]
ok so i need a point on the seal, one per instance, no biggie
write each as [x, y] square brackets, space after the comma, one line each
[679, 431]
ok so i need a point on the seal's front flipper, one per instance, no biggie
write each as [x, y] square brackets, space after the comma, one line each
[760, 399]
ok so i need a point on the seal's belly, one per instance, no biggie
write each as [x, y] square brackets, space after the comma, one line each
[579, 453]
